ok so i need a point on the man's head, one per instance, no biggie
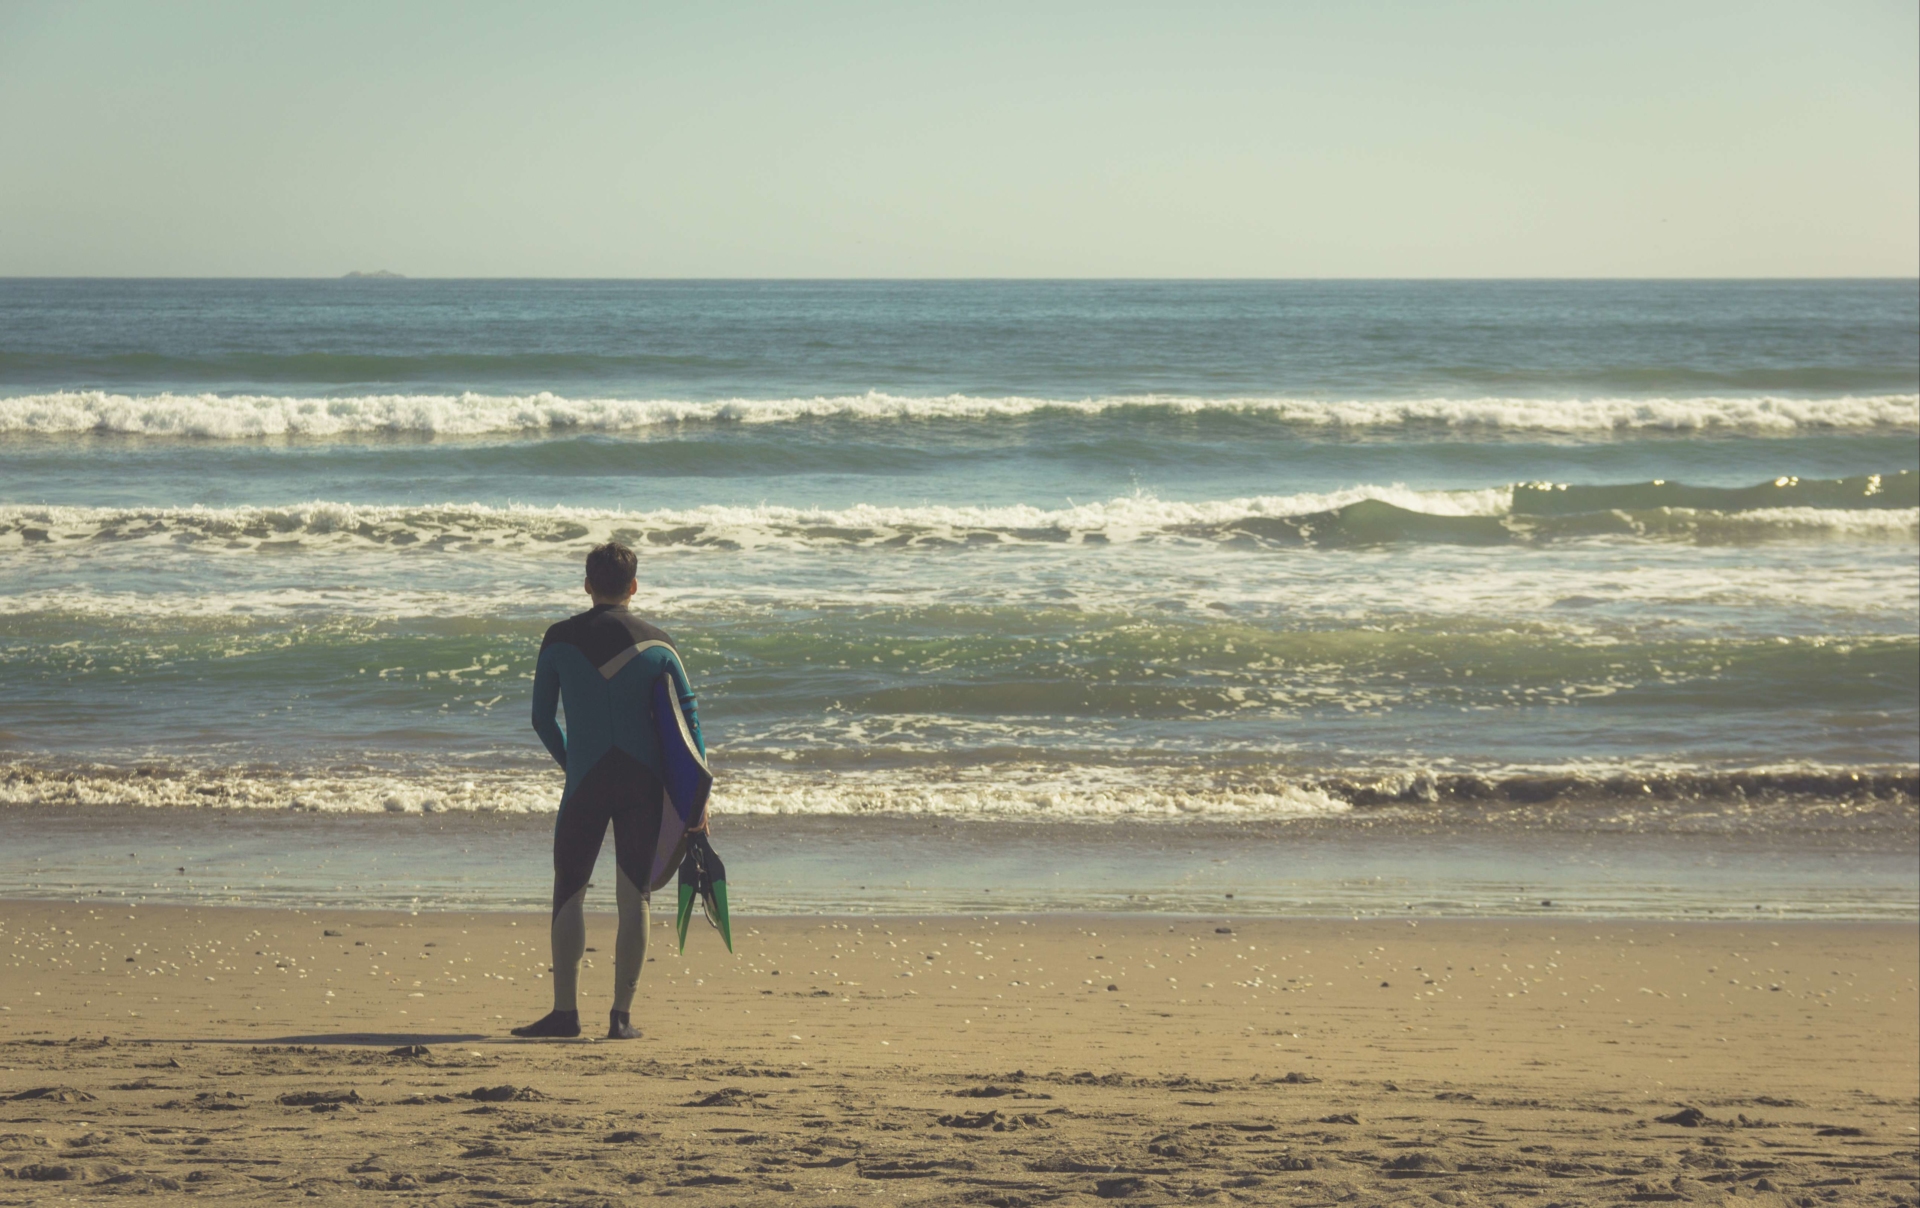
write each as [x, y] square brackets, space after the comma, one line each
[610, 573]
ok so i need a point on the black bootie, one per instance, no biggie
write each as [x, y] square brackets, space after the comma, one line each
[555, 1025]
[619, 1027]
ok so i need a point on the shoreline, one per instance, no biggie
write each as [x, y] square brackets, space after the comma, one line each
[600, 905]
[871, 866]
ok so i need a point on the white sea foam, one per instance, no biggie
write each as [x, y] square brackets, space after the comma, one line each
[1028, 793]
[480, 528]
[1127, 518]
[245, 416]
[1777, 523]
[1665, 584]
[1039, 794]
[246, 789]
[1013, 792]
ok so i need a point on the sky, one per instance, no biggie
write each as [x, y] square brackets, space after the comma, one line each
[979, 139]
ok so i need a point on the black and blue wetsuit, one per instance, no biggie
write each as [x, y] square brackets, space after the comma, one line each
[603, 663]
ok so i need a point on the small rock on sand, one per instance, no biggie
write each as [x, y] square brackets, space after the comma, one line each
[1686, 1117]
[505, 1093]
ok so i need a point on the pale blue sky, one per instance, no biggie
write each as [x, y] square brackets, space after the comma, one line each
[978, 139]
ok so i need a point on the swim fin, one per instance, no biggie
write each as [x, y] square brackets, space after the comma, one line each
[703, 876]
[686, 908]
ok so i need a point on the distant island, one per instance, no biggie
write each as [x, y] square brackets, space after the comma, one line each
[379, 274]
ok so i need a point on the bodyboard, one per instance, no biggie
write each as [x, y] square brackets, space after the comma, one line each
[685, 776]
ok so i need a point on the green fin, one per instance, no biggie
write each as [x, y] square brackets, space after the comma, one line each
[686, 913]
[725, 924]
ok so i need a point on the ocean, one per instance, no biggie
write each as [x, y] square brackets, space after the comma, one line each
[1115, 594]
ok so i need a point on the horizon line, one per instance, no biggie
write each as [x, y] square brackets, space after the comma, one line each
[370, 277]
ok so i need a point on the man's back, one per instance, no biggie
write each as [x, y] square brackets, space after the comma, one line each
[604, 662]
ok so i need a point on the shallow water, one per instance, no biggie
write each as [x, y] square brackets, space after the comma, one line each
[912, 866]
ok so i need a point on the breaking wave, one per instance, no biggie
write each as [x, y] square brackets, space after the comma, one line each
[1866, 507]
[246, 416]
[1610, 797]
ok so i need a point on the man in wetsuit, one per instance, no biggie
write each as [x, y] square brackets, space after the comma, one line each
[604, 663]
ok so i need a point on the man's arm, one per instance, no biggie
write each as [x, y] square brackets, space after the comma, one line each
[546, 700]
[687, 705]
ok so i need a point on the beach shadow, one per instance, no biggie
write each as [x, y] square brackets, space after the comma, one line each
[387, 1039]
[382, 1038]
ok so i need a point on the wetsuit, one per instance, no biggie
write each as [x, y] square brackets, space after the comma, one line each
[604, 663]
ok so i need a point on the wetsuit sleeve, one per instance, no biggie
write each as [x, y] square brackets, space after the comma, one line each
[546, 700]
[687, 705]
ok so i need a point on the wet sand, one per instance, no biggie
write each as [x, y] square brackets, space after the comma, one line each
[1859, 863]
[261, 1056]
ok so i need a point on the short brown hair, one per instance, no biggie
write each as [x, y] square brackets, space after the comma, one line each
[610, 568]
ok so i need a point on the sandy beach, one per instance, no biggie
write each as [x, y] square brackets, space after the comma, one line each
[258, 1056]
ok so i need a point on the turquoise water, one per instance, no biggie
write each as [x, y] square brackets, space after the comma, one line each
[1241, 552]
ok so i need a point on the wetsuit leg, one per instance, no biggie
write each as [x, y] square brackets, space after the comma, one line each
[636, 823]
[636, 832]
[569, 945]
[626, 793]
[630, 948]
[577, 835]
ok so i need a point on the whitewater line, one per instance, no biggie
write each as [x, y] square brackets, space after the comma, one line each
[253, 416]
